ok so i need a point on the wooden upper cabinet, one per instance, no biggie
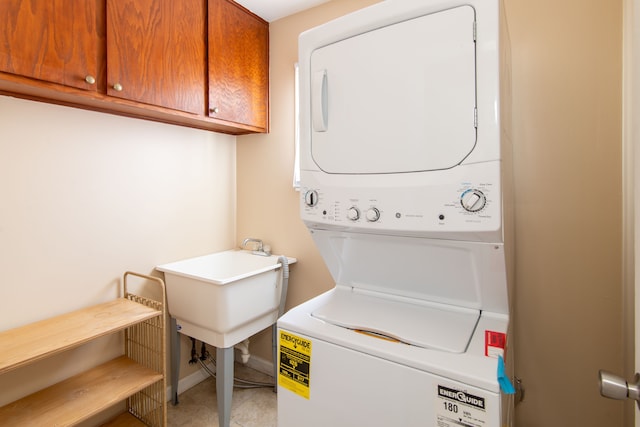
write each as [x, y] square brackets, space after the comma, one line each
[198, 63]
[54, 41]
[238, 66]
[156, 52]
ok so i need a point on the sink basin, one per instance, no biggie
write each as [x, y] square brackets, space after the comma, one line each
[225, 297]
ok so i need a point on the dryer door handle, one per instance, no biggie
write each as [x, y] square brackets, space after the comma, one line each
[319, 101]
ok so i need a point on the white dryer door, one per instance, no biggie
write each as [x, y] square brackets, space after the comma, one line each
[400, 98]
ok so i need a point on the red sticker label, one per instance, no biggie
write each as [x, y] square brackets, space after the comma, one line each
[494, 343]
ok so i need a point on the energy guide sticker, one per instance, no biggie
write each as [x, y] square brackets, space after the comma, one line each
[456, 408]
[294, 363]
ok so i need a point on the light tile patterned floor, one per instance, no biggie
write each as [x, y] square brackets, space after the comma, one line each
[249, 407]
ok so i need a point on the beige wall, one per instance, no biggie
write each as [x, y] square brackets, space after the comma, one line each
[567, 149]
[567, 155]
[86, 196]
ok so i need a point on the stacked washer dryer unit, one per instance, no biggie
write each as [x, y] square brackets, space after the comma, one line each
[404, 189]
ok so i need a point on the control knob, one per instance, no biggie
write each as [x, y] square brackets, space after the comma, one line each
[311, 198]
[353, 213]
[473, 200]
[373, 214]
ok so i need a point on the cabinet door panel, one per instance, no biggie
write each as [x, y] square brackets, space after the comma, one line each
[238, 65]
[56, 41]
[156, 52]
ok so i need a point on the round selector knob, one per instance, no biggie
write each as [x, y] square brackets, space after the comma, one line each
[311, 198]
[473, 200]
[353, 213]
[373, 214]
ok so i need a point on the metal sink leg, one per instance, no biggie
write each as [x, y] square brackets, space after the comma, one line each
[224, 384]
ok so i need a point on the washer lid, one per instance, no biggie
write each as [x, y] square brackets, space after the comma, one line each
[423, 324]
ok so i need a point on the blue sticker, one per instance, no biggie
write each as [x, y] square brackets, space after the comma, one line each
[503, 379]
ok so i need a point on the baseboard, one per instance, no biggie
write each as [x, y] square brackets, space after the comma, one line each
[261, 365]
[191, 380]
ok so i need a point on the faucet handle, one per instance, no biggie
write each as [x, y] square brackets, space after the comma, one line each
[252, 240]
[259, 249]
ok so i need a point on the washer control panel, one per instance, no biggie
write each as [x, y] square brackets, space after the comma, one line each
[445, 210]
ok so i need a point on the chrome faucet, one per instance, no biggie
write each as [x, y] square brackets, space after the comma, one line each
[259, 249]
[252, 240]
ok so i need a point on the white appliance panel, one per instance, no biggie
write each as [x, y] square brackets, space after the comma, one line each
[463, 274]
[472, 366]
[400, 98]
[350, 388]
[425, 204]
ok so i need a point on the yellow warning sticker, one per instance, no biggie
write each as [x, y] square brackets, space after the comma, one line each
[294, 363]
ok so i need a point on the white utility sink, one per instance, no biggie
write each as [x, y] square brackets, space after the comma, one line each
[225, 297]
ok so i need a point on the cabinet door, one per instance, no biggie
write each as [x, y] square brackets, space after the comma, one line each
[238, 65]
[55, 41]
[156, 52]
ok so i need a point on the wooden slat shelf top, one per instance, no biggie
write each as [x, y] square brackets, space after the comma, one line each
[35, 341]
[79, 397]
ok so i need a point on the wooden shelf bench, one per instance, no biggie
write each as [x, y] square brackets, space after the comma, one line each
[137, 377]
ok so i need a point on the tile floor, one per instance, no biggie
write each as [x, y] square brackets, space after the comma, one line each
[197, 407]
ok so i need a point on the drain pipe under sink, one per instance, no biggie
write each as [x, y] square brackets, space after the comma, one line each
[283, 297]
[243, 347]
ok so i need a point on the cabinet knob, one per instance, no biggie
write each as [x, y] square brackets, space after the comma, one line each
[214, 110]
[90, 79]
[117, 87]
